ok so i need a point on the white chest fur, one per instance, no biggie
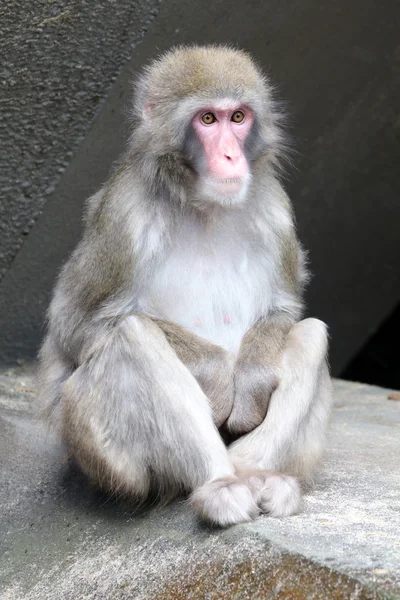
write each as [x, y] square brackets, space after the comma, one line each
[214, 283]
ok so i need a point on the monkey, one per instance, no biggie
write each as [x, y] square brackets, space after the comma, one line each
[179, 316]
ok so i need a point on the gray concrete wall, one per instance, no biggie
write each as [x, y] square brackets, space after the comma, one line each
[337, 65]
[59, 59]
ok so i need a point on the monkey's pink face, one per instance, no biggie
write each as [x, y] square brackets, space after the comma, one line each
[222, 132]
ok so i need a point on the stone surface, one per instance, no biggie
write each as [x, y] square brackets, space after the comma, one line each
[61, 539]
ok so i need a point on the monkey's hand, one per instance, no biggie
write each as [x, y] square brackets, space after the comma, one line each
[254, 383]
[257, 372]
[211, 366]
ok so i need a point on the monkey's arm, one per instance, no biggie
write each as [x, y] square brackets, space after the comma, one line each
[256, 372]
[211, 365]
[258, 366]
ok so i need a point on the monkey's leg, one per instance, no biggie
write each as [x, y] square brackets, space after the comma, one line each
[134, 417]
[210, 365]
[292, 435]
[53, 370]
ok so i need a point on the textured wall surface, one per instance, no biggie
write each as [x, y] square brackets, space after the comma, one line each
[337, 64]
[58, 61]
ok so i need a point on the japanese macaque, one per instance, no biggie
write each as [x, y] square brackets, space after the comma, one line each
[177, 318]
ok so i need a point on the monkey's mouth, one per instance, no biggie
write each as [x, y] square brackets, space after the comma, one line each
[229, 185]
[232, 181]
[225, 190]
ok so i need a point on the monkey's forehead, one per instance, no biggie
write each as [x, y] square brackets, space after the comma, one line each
[204, 72]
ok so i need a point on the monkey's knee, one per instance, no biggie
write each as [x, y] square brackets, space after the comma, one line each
[141, 328]
[308, 341]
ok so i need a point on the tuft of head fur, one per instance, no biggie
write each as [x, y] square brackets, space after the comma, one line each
[203, 72]
[174, 87]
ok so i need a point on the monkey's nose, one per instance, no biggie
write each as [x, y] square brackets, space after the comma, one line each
[232, 152]
[232, 156]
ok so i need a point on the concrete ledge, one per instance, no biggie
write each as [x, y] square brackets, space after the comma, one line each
[61, 539]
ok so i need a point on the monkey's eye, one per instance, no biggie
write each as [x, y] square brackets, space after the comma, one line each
[208, 118]
[237, 116]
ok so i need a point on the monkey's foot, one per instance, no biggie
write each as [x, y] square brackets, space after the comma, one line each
[275, 494]
[224, 502]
